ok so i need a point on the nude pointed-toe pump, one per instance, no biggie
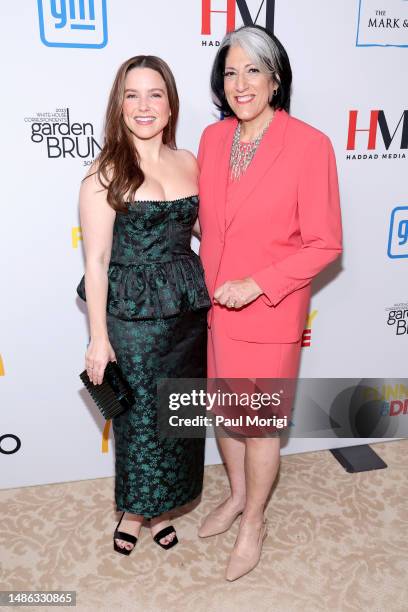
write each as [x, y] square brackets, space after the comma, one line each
[238, 565]
[213, 525]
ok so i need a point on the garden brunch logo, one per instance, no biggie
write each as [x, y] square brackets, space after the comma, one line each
[397, 318]
[62, 138]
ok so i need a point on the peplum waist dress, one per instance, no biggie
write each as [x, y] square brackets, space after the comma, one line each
[157, 305]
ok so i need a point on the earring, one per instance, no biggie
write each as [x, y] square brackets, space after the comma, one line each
[273, 95]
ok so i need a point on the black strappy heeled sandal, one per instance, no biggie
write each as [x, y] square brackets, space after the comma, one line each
[122, 535]
[162, 534]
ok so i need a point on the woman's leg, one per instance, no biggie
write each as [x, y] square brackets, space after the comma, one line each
[232, 449]
[252, 465]
[262, 458]
[262, 454]
[222, 516]
[233, 454]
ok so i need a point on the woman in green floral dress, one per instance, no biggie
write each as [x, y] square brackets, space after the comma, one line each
[145, 291]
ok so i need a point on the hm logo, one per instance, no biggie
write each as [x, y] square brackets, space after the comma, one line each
[229, 11]
[377, 119]
[73, 23]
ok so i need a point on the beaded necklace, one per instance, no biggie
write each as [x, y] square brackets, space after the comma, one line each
[242, 153]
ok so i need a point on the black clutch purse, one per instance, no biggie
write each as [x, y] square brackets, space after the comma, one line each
[114, 395]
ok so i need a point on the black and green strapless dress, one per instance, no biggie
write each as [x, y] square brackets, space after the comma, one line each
[156, 317]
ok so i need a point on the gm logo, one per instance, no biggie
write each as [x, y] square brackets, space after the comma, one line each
[398, 239]
[73, 23]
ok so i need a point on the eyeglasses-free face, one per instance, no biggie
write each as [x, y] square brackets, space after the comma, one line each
[247, 89]
[145, 108]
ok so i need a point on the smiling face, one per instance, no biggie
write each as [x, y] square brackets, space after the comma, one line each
[145, 108]
[247, 89]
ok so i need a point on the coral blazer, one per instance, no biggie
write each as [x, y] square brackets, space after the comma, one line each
[279, 224]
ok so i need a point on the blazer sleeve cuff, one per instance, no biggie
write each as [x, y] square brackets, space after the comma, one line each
[266, 279]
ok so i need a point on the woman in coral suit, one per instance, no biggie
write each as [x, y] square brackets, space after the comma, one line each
[270, 221]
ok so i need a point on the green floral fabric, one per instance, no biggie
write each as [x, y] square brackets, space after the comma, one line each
[156, 318]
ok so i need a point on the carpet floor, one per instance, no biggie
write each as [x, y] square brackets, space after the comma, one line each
[337, 542]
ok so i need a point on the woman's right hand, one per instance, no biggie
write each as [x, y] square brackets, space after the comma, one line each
[98, 354]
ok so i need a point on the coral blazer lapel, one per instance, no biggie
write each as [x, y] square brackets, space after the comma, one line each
[269, 148]
[222, 158]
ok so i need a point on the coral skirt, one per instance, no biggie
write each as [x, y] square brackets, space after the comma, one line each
[255, 365]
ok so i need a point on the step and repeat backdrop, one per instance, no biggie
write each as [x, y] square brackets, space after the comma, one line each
[349, 63]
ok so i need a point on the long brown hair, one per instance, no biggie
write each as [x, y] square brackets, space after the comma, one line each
[118, 162]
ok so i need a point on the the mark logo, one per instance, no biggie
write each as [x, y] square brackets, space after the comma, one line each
[398, 236]
[382, 26]
[73, 23]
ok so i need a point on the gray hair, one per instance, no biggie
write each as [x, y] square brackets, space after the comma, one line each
[259, 46]
[267, 53]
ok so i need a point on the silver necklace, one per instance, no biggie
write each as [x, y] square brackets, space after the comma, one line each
[242, 153]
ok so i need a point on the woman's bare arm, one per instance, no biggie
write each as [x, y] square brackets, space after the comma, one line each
[97, 219]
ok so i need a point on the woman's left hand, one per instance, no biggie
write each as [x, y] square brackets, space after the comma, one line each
[237, 293]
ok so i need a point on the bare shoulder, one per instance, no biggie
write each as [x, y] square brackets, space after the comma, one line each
[93, 195]
[186, 157]
[92, 181]
[185, 161]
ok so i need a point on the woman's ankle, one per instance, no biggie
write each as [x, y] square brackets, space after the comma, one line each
[237, 500]
[252, 517]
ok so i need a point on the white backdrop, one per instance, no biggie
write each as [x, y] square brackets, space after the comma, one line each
[346, 56]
